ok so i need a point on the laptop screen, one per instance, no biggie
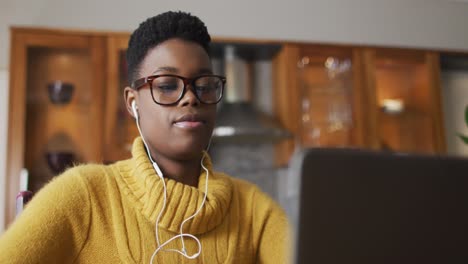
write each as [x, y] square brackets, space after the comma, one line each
[370, 207]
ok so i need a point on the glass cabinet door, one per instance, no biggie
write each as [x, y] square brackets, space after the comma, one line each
[326, 106]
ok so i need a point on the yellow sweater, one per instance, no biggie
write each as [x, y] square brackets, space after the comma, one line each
[107, 214]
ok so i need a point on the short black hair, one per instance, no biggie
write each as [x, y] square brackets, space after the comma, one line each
[155, 30]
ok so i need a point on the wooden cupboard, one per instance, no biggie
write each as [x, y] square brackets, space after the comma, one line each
[405, 112]
[319, 97]
[46, 129]
[119, 129]
[386, 98]
[325, 95]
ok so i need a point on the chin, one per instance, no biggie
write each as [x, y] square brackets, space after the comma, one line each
[188, 151]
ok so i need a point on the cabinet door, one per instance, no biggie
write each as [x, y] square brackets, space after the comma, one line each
[56, 110]
[120, 129]
[326, 78]
[318, 95]
[405, 89]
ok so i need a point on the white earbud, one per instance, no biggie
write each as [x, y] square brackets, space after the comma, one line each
[134, 108]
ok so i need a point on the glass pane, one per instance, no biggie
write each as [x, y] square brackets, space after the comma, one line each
[326, 106]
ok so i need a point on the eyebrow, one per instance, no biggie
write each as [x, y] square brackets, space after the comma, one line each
[175, 70]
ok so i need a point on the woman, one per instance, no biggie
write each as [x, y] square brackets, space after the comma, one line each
[165, 204]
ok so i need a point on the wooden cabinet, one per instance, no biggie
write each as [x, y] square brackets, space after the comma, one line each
[119, 130]
[55, 110]
[326, 95]
[93, 126]
[340, 96]
[405, 110]
[319, 97]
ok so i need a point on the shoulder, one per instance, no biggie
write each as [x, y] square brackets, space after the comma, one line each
[93, 174]
[249, 190]
[268, 223]
[60, 197]
[90, 172]
[74, 180]
[75, 183]
[252, 198]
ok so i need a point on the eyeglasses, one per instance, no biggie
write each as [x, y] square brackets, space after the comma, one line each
[168, 89]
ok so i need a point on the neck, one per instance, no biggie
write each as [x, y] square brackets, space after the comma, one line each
[184, 171]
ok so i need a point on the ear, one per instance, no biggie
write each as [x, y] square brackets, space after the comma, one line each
[130, 95]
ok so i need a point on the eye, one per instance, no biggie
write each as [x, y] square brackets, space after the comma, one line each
[167, 87]
[166, 84]
[207, 84]
[206, 88]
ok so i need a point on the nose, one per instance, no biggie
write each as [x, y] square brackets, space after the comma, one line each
[189, 98]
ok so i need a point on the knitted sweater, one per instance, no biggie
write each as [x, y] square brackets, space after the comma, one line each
[107, 214]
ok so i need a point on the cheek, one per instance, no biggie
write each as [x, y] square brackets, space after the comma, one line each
[155, 122]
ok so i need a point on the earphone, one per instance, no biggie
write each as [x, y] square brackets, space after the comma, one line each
[160, 175]
[134, 108]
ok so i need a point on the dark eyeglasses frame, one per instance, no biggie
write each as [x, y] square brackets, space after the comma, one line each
[139, 83]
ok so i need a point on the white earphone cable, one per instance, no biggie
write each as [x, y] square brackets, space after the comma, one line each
[156, 168]
[160, 175]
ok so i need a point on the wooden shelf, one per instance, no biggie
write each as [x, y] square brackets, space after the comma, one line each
[36, 124]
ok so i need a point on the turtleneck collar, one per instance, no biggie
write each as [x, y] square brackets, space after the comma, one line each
[182, 200]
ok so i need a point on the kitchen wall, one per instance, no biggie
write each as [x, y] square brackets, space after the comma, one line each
[3, 133]
[418, 23]
[455, 100]
[253, 161]
[411, 23]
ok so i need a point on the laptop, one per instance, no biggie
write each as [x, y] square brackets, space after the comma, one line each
[360, 206]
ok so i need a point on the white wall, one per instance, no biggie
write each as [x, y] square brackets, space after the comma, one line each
[412, 23]
[455, 99]
[420, 23]
[3, 133]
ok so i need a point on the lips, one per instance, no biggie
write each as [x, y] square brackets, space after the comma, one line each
[189, 121]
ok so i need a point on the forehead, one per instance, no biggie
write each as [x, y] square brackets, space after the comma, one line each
[187, 58]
